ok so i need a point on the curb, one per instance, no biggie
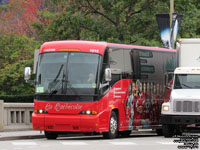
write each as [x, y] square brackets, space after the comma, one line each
[21, 137]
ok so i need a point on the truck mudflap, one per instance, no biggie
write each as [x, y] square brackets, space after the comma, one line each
[180, 120]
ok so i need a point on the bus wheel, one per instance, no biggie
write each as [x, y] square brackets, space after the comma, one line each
[125, 133]
[168, 130]
[113, 127]
[159, 132]
[51, 135]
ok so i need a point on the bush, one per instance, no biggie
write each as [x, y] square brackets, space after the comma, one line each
[17, 98]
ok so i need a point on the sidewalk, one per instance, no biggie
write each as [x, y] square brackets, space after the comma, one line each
[16, 135]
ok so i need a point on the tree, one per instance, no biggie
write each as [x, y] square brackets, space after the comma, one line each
[190, 24]
[17, 17]
[16, 53]
[113, 21]
[120, 21]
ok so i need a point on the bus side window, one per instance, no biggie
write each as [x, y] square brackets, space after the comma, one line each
[135, 62]
[116, 76]
[104, 66]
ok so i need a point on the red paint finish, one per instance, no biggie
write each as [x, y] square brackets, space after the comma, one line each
[92, 47]
[61, 118]
[140, 110]
[83, 46]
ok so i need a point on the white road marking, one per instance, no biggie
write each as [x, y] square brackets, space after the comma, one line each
[24, 143]
[85, 143]
[168, 143]
[122, 143]
[74, 143]
[45, 145]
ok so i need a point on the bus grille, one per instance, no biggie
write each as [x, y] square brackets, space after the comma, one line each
[186, 106]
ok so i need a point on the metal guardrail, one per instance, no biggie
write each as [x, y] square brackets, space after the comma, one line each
[15, 116]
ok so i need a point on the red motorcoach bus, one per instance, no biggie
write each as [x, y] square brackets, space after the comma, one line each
[85, 86]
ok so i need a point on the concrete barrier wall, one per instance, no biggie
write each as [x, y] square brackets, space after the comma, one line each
[16, 116]
[1, 115]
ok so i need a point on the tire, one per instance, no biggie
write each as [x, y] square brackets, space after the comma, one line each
[168, 130]
[113, 127]
[159, 132]
[178, 131]
[51, 135]
[125, 133]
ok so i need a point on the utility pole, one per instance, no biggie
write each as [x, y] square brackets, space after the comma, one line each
[171, 18]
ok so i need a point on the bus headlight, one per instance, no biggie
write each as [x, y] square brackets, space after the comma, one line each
[40, 111]
[165, 108]
[89, 112]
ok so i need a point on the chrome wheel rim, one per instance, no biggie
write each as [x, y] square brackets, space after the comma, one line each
[113, 125]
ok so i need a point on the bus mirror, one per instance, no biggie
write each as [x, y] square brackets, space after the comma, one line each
[169, 80]
[168, 86]
[108, 75]
[27, 73]
[166, 79]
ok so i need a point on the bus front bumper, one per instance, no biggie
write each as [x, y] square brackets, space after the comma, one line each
[180, 119]
[67, 123]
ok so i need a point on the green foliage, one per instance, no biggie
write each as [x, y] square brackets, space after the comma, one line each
[113, 21]
[17, 98]
[130, 21]
[190, 24]
[121, 21]
[16, 52]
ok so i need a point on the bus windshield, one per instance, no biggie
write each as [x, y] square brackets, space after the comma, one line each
[67, 73]
[187, 81]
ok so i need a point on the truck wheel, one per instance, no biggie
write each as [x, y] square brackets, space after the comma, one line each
[179, 132]
[51, 135]
[113, 127]
[168, 130]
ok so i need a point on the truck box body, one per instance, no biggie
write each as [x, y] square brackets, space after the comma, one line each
[189, 52]
[183, 108]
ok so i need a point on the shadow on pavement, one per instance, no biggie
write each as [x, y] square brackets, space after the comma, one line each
[100, 137]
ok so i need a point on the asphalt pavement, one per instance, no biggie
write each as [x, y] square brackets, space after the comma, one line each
[31, 134]
[141, 141]
[14, 135]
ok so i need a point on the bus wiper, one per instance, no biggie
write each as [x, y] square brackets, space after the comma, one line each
[58, 73]
[53, 92]
[72, 88]
[54, 82]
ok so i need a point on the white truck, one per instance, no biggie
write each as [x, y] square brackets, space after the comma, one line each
[183, 108]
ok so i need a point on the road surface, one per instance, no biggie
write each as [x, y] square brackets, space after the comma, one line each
[134, 142]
